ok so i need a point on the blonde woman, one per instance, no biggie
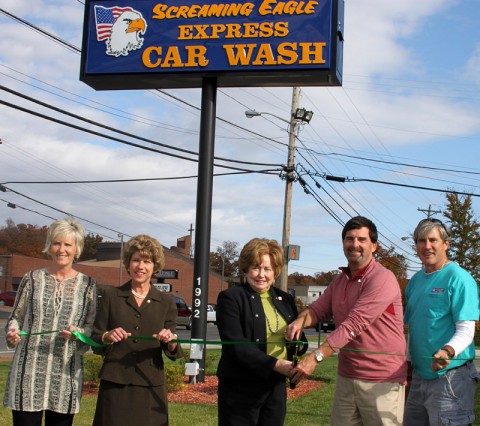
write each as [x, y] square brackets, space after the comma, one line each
[46, 374]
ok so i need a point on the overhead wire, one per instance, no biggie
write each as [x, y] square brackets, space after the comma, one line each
[96, 123]
[15, 206]
[317, 198]
[297, 151]
[3, 188]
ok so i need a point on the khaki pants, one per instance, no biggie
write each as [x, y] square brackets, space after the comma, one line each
[357, 402]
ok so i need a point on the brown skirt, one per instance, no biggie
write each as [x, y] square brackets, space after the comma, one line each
[129, 405]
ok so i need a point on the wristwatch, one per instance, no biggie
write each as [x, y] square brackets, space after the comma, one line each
[446, 348]
[318, 356]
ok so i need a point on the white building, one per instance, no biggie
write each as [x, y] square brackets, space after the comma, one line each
[308, 294]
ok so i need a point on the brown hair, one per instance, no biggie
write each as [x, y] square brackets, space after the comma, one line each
[255, 249]
[147, 247]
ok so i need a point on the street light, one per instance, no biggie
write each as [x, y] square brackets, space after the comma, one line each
[250, 113]
[297, 116]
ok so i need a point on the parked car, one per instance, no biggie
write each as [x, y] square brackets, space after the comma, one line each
[8, 298]
[325, 326]
[183, 312]
[211, 316]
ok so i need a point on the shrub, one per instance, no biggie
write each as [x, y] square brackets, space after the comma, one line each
[174, 373]
[92, 365]
[477, 333]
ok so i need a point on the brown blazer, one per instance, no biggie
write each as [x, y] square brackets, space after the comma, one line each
[135, 361]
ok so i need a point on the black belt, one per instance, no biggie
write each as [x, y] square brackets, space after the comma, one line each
[460, 366]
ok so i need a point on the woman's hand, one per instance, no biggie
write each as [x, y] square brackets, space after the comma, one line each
[67, 334]
[114, 336]
[166, 336]
[13, 337]
[284, 367]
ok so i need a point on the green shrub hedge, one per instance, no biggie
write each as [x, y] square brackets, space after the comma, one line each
[173, 372]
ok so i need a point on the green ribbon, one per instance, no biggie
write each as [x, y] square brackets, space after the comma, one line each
[88, 341]
[24, 333]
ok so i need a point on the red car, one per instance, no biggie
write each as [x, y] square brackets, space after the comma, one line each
[7, 298]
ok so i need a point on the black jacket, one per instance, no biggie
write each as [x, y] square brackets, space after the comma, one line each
[240, 317]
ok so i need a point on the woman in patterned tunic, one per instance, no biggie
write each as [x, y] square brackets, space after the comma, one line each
[46, 373]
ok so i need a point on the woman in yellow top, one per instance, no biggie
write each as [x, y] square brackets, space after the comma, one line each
[252, 375]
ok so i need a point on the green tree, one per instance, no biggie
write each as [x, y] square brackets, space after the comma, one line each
[29, 240]
[225, 259]
[397, 263]
[325, 278]
[465, 233]
[23, 239]
[91, 243]
[298, 279]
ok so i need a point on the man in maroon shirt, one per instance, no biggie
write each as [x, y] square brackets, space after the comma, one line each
[366, 305]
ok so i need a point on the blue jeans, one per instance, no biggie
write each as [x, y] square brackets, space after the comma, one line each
[447, 400]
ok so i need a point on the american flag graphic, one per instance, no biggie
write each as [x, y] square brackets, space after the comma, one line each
[105, 17]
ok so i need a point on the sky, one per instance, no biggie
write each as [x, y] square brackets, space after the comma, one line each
[405, 118]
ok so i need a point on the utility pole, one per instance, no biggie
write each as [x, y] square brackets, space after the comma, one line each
[429, 212]
[287, 211]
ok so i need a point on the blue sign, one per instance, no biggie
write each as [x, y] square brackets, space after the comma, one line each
[176, 43]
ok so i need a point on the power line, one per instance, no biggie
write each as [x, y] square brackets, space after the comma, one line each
[16, 206]
[134, 180]
[5, 189]
[397, 163]
[96, 123]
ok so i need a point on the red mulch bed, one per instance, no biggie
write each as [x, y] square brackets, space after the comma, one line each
[206, 392]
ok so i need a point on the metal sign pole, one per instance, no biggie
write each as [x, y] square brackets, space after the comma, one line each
[204, 216]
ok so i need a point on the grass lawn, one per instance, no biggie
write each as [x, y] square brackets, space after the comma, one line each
[311, 409]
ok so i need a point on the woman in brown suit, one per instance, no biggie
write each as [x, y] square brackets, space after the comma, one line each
[133, 385]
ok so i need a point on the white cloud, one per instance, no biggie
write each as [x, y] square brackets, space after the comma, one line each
[388, 109]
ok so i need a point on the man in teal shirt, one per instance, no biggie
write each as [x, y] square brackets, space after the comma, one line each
[442, 307]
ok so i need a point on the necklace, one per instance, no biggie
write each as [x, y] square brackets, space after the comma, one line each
[140, 296]
[277, 321]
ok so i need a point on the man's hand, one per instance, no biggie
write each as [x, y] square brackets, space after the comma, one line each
[294, 329]
[440, 361]
[305, 367]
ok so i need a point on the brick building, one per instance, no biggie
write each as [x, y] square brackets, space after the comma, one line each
[105, 269]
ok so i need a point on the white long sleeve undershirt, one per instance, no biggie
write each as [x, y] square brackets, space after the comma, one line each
[463, 336]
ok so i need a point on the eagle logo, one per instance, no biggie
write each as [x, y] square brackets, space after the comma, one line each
[121, 28]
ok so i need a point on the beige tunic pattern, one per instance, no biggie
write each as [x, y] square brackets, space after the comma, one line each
[47, 370]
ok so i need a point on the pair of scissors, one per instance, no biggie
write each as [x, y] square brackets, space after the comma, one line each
[295, 357]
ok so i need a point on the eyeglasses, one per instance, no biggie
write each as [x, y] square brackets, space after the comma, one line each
[437, 221]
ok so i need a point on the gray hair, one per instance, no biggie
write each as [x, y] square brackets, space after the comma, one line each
[427, 225]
